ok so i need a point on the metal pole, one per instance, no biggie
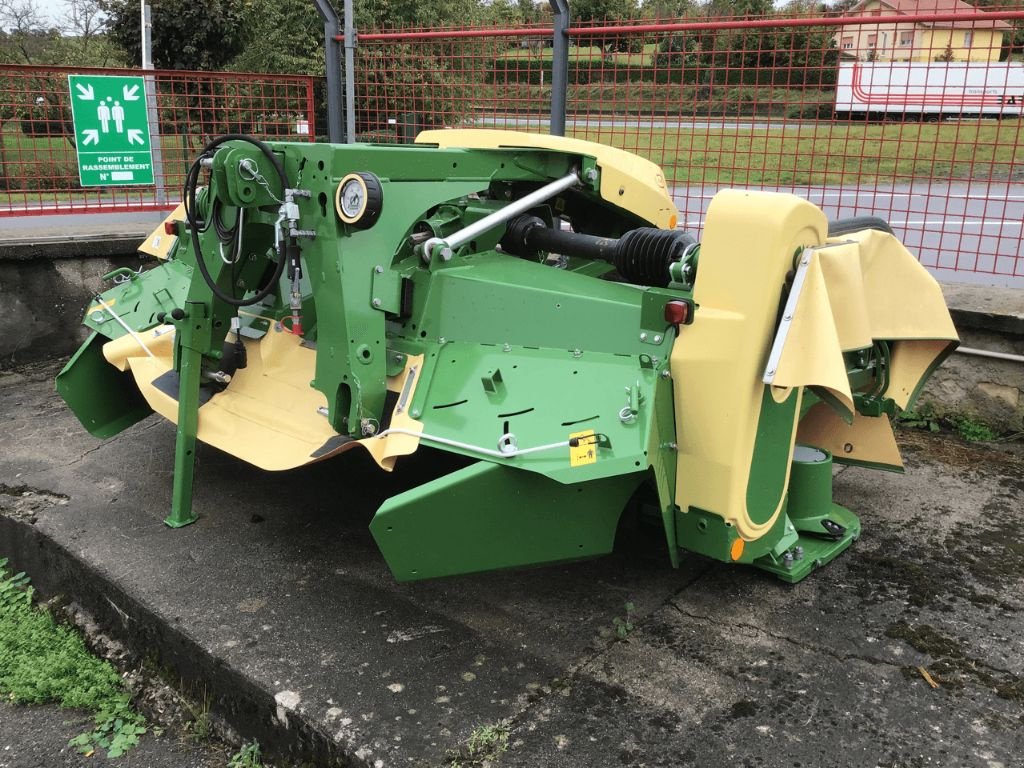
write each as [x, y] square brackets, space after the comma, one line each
[350, 73]
[152, 112]
[559, 66]
[332, 28]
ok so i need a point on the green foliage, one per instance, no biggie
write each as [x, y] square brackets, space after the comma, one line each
[968, 428]
[920, 419]
[247, 757]
[972, 430]
[486, 743]
[186, 35]
[624, 626]
[41, 661]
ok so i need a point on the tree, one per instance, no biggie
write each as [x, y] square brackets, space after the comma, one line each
[611, 11]
[28, 35]
[186, 34]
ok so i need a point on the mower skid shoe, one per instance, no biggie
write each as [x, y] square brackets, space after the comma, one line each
[488, 516]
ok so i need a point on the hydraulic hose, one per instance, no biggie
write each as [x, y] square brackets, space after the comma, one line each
[189, 195]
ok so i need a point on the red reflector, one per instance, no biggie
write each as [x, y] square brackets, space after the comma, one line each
[677, 312]
[170, 228]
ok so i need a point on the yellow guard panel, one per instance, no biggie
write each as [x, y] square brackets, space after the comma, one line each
[750, 239]
[627, 180]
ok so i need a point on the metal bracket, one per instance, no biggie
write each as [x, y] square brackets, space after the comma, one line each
[787, 316]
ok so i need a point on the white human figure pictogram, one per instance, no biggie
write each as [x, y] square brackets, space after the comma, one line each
[103, 113]
[118, 114]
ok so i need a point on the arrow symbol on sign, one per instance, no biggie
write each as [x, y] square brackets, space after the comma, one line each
[135, 136]
[85, 92]
[130, 94]
[90, 137]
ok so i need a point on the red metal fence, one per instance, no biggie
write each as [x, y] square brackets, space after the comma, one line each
[757, 104]
[38, 161]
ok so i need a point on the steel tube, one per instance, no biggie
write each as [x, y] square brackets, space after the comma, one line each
[994, 355]
[559, 66]
[513, 209]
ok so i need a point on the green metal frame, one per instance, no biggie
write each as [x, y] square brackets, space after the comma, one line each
[510, 346]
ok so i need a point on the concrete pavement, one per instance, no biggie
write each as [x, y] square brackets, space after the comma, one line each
[278, 602]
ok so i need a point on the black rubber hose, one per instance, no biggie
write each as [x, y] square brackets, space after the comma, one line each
[189, 194]
[857, 224]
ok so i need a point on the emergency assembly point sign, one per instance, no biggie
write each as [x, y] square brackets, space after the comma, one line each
[111, 130]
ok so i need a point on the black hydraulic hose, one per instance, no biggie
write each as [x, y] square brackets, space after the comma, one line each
[189, 195]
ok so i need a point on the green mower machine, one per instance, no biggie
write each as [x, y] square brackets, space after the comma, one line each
[527, 302]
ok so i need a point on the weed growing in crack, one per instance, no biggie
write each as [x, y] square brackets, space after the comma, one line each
[42, 661]
[247, 757]
[484, 746]
[623, 626]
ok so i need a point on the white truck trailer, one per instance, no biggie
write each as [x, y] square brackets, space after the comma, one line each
[910, 90]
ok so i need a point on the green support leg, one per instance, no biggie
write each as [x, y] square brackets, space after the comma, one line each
[191, 330]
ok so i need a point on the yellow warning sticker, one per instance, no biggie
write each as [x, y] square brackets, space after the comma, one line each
[582, 448]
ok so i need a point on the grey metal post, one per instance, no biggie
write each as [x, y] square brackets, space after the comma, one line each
[350, 73]
[332, 28]
[559, 66]
[152, 112]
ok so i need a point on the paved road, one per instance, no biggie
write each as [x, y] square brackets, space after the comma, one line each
[968, 232]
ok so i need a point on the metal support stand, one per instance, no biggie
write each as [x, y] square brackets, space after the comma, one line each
[559, 66]
[332, 61]
[191, 337]
[350, 73]
[152, 111]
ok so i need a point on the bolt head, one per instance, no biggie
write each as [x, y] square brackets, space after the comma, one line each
[378, 269]
[376, 302]
[657, 339]
[643, 336]
[446, 254]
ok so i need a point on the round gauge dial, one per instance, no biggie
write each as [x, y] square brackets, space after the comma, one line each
[359, 199]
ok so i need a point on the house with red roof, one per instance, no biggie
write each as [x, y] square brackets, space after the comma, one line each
[972, 36]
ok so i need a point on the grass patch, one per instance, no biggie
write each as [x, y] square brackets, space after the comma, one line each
[823, 153]
[486, 743]
[42, 661]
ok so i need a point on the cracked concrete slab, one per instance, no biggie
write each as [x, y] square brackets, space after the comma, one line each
[279, 602]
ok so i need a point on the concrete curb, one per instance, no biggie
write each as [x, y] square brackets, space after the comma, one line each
[56, 571]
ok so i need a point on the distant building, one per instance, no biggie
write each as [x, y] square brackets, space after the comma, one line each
[975, 37]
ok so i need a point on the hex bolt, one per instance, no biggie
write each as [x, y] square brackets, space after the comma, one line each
[657, 339]
[666, 374]
[643, 336]
[798, 553]
[442, 341]
[446, 254]
[591, 174]
[378, 269]
[376, 302]
[416, 413]
[787, 560]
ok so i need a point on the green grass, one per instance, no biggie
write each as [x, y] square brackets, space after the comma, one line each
[586, 53]
[804, 153]
[42, 662]
[823, 153]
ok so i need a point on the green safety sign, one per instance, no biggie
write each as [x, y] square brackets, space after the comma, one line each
[111, 130]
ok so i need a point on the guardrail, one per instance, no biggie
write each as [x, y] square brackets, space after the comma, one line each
[39, 158]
